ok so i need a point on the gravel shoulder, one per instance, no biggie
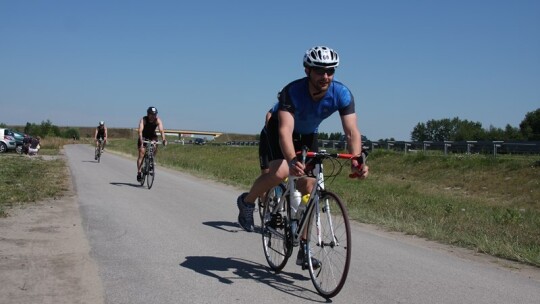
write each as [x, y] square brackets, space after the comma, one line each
[45, 256]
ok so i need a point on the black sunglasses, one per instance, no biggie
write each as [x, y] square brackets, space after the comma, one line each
[322, 71]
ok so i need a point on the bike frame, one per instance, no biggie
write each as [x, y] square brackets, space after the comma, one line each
[314, 202]
[149, 150]
[98, 148]
[324, 241]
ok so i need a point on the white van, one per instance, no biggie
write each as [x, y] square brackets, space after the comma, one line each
[7, 140]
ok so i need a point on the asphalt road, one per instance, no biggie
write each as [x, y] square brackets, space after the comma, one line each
[179, 243]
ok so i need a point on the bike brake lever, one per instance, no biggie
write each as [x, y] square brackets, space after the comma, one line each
[304, 154]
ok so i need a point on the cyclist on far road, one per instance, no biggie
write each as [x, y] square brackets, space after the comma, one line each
[303, 105]
[147, 131]
[101, 133]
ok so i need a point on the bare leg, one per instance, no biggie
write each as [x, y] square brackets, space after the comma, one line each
[277, 172]
[140, 158]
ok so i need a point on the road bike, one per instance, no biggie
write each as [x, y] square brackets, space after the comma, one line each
[98, 150]
[324, 224]
[148, 171]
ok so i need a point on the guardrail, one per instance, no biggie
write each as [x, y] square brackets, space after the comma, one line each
[464, 147]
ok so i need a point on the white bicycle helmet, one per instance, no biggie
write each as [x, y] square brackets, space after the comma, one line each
[101, 123]
[321, 57]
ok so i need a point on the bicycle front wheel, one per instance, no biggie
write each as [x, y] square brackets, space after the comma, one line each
[98, 154]
[276, 238]
[151, 173]
[143, 171]
[329, 244]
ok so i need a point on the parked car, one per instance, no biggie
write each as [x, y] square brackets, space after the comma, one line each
[19, 138]
[7, 140]
[199, 141]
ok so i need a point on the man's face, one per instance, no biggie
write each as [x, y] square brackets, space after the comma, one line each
[320, 78]
[151, 116]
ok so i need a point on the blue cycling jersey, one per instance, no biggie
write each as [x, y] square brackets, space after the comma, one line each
[308, 114]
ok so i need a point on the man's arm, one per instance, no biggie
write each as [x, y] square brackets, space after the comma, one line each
[141, 127]
[286, 127]
[352, 134]
[160, 128]
[354, 144]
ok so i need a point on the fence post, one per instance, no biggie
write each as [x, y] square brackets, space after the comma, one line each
[447, 144]
[496, 144]
[426, 144]
[470, 144]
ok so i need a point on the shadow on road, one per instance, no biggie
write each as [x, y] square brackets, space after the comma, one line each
[125, 184]
[222, 224]
[243, 269]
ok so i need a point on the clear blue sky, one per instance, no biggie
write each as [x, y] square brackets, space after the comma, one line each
[218, 65]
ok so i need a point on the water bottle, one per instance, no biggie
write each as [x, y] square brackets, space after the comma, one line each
[295, 202]
[303, 206]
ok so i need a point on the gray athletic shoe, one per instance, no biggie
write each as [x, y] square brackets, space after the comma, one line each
[302, 258]
[245, 215]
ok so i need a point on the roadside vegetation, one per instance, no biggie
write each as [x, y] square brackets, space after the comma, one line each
[25, 179]
[488, 204]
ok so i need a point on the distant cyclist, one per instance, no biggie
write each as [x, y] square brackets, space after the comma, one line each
[101, 133]
[147, 131]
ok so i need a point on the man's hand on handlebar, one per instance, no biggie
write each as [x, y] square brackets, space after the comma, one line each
[296, 168]
[359, 168]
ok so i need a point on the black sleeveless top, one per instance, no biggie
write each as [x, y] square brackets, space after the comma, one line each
[149, 130]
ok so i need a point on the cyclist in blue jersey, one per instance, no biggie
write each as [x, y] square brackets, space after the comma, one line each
[302, 105]
[147, 131]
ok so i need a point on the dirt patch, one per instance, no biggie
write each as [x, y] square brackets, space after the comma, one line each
[45, 256]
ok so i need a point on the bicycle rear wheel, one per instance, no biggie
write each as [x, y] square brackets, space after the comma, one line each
[333, 249]
[276, 238]
[151, 173]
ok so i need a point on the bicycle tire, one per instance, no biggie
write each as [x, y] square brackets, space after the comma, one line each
[98, 153]
[276, 237]
[143, 171]
[334, 254]
[151, 173]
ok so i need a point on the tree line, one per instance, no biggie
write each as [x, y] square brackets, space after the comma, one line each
[456, 129]
[47, 129]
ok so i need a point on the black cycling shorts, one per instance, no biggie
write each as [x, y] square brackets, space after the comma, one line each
[270, 149]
